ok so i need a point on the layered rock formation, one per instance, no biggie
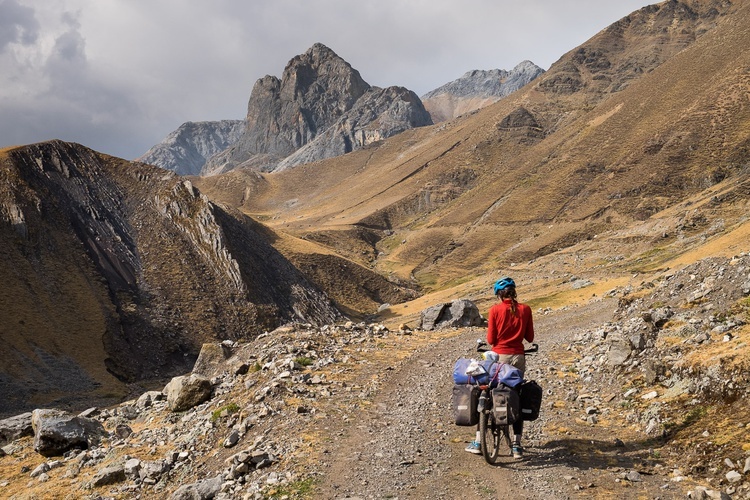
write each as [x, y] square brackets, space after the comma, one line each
[186, 150]
[476, 89]
[118, 272]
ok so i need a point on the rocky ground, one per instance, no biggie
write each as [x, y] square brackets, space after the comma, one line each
[644, 398]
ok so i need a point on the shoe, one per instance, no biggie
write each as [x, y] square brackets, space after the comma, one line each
[517, 451]
[473, 448]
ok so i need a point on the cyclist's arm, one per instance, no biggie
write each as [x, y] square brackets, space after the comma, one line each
[492, 327]
[528, 334]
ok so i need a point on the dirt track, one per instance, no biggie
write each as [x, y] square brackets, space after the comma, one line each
[406, 445]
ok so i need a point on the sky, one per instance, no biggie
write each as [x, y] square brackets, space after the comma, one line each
[119, 75]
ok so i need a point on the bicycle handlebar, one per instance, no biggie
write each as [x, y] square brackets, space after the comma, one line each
[483, 346]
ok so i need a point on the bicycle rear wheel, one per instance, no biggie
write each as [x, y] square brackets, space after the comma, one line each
[490, 437]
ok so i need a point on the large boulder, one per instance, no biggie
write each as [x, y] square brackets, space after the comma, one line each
[57, 431]
[619, 351]
[187, 391]
[202, 490]
[15, 427]
[458, 313]
[212, 360]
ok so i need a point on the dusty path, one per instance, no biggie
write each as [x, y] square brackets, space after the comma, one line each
[406, 445]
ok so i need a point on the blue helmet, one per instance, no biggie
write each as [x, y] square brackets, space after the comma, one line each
[503, 283]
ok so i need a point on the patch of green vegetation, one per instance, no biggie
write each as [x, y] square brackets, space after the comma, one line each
[650, 260]
[387, 244]
[303, 360]
[487, 491]
[228, 408]
[458, 281]
[694, 415]
[741, 307]
[542, 302]
[298, 489]
[427, 280]
[690, 418]
[255, 367]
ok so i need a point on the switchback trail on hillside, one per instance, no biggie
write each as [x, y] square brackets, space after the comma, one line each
[405, 444]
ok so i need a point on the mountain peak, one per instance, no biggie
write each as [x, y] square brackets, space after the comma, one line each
[316, 92]
[476, 89]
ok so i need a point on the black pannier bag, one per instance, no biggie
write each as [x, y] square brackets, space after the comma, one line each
[506, 406]
[531, 399]
[465, 399]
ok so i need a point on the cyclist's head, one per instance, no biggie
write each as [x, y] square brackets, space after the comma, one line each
[503, 284]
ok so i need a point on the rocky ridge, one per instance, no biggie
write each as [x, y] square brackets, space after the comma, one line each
[321, 103]
[476, 89]
[186, 150]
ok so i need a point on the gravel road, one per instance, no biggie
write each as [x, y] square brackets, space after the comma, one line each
[406, 445]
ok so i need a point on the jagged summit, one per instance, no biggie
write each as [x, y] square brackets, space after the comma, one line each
[489, 83]
[322, 104]
[476, 89]
[320, 108]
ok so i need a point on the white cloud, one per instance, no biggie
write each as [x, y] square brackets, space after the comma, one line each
[119, 75]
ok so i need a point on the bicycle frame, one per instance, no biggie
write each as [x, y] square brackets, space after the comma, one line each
[492, 434]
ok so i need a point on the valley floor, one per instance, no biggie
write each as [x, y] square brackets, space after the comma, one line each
[371, 418]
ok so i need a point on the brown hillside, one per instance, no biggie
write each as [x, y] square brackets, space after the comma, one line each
[118, 272]
[649, 112]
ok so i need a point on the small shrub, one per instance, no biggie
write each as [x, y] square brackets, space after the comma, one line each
[303, 361]
[694, 415]
[298, 489]
[229, 408]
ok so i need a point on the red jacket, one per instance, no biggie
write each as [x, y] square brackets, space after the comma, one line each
[507, 331]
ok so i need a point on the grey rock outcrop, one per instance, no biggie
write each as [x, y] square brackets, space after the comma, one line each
[315, 93]
[212, 359]
[476, 89]
[187, 391]
[202, 490]
[377, 115]
[56, 432]
[109, 475]
[459, 313]
[186, 150]
[15, 427]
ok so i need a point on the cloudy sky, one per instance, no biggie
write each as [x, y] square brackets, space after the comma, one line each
[119, 75]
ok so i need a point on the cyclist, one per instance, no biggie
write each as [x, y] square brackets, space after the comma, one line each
[508, 325]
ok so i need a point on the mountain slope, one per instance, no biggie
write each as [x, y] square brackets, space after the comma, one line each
[118, 272]
[644, 115]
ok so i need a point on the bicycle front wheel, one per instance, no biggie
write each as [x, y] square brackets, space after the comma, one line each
[490, 437]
